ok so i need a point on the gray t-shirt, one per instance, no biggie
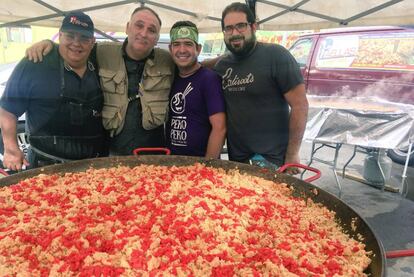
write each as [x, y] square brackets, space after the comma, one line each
[257, 112]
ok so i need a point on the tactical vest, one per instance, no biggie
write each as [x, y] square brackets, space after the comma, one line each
[155, 87]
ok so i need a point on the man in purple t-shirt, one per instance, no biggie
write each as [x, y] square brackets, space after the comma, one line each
[197, 122]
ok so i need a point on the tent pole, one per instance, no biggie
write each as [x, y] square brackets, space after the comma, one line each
[49, 16]
[370, 11]
[287, 10]
[252, 6]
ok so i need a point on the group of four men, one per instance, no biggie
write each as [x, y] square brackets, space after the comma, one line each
[259, 101]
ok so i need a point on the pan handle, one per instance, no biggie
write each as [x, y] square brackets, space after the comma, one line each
[399, 253]
[151, 149]
[310, 179]
[4, 172]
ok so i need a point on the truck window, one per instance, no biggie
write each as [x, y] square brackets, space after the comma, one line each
[213, 47]
[300, 50]
[387, 51]
[207, 46]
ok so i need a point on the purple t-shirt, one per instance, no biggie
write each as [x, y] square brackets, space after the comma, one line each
[192, 101]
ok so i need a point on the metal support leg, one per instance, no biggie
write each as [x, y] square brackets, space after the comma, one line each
[350, 159]
[382, 172]
[332, 164]
[313, 151]
[312, 154]
[335, 162]
[404, 188]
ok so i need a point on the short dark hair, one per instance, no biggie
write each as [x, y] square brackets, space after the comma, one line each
[238, 7]
[185, 23]
[143, 8]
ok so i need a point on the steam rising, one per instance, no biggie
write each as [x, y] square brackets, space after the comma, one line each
[389, 94]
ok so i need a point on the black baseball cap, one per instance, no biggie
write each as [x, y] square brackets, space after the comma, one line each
[78, 22]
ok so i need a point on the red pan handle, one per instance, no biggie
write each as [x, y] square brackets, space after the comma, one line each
[151, 149]
[4, 172]
[310, 179]
[399, 253]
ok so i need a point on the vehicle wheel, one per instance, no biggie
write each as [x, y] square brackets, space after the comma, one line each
[400, 155]
[21, 140]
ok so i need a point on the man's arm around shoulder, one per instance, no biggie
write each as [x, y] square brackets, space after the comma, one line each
[36, 52]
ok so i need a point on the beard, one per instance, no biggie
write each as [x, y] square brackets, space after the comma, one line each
[248, 45]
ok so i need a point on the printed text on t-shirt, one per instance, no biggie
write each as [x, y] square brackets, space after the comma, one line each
[236, 83]
[178, 134]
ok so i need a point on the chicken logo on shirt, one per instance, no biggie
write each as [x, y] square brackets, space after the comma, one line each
[177, 103]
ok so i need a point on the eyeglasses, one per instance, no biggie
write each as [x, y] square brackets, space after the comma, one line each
[71, 37]
[240, 27]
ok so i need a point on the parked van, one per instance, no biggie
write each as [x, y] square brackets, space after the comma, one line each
[371, 63]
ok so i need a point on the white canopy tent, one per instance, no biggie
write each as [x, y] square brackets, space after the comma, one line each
[112, 15]
[273, 15]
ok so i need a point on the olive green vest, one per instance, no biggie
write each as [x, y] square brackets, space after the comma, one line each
[155, 87]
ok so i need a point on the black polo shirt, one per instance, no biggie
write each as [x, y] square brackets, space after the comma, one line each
[35, 88]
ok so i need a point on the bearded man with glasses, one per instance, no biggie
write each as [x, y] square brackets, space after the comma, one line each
[62, 100]
[265, 96]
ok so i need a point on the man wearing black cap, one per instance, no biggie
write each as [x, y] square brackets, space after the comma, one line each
[136, 78]
[62, 100]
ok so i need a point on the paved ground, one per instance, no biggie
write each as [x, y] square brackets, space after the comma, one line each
[390, 215]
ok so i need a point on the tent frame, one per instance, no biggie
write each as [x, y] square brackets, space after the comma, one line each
[251, 3]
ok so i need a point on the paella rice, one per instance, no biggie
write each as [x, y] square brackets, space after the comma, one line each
[169, 221]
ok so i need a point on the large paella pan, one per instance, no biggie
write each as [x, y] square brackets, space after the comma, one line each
[350, 221]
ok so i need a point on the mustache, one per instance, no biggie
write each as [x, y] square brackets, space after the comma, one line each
[236, 38]
[142, 39]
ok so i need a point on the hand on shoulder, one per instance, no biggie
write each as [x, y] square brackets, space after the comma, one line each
[36, 52]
